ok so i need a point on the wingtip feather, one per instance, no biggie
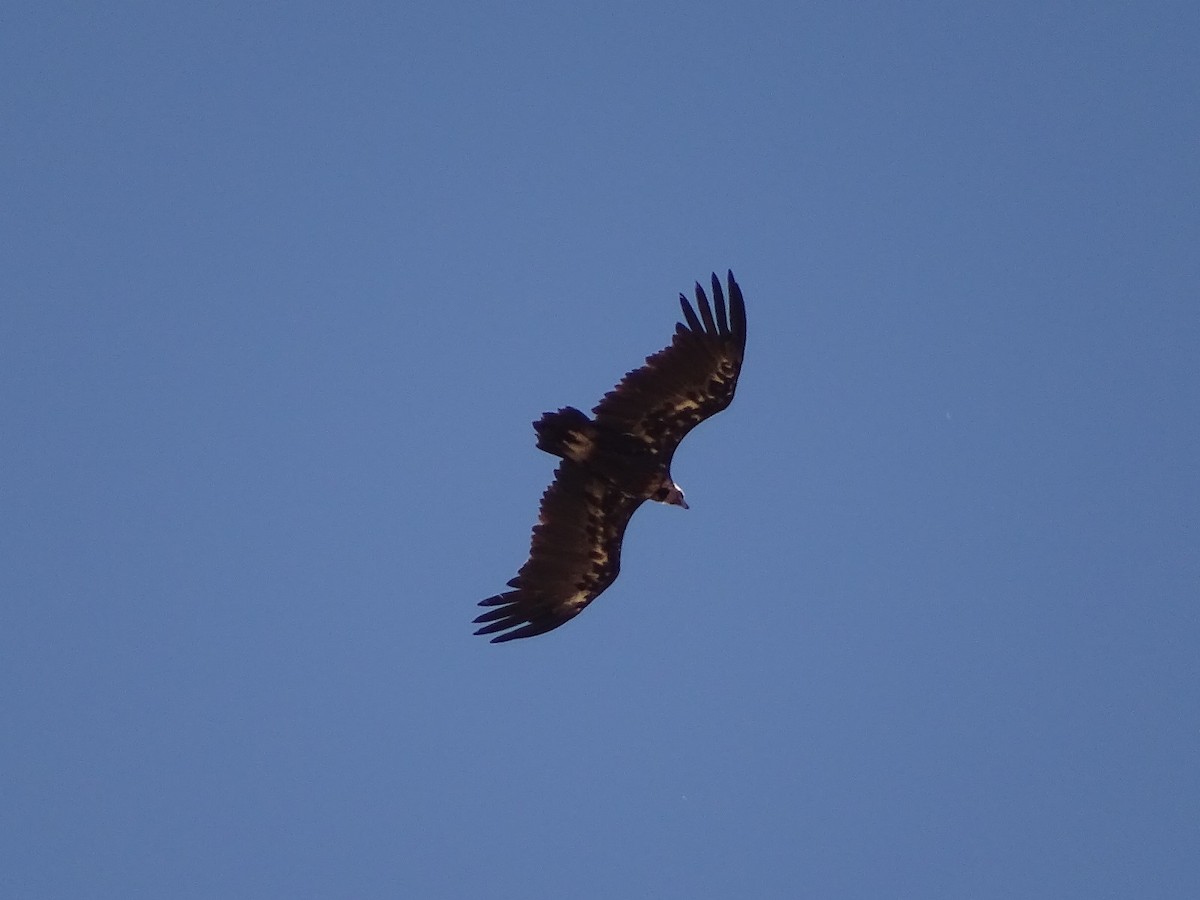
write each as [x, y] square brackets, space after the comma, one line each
[689, 314]
[737, 310]
[705, 312]
[719, 303]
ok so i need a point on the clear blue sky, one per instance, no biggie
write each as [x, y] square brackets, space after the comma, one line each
[283, 287]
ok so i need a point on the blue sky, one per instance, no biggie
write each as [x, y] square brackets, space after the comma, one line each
[284, 286]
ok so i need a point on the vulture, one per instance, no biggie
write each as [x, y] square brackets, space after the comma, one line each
[614, 461]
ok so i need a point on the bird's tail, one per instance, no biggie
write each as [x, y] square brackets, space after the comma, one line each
[567, 433]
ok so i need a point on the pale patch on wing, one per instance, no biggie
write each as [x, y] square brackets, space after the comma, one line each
[596, 490]
[578, 600]
[581, 445]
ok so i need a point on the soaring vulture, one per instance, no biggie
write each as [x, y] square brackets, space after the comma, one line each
[614, 462]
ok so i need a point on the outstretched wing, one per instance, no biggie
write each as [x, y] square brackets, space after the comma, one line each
[575, 555]
[682, 385]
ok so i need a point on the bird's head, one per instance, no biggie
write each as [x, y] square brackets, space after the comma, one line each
[671, 493]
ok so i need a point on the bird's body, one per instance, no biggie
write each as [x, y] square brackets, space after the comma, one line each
[616, 457]
[614, 462]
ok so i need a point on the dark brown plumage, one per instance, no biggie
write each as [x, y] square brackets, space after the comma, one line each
[614, 462]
